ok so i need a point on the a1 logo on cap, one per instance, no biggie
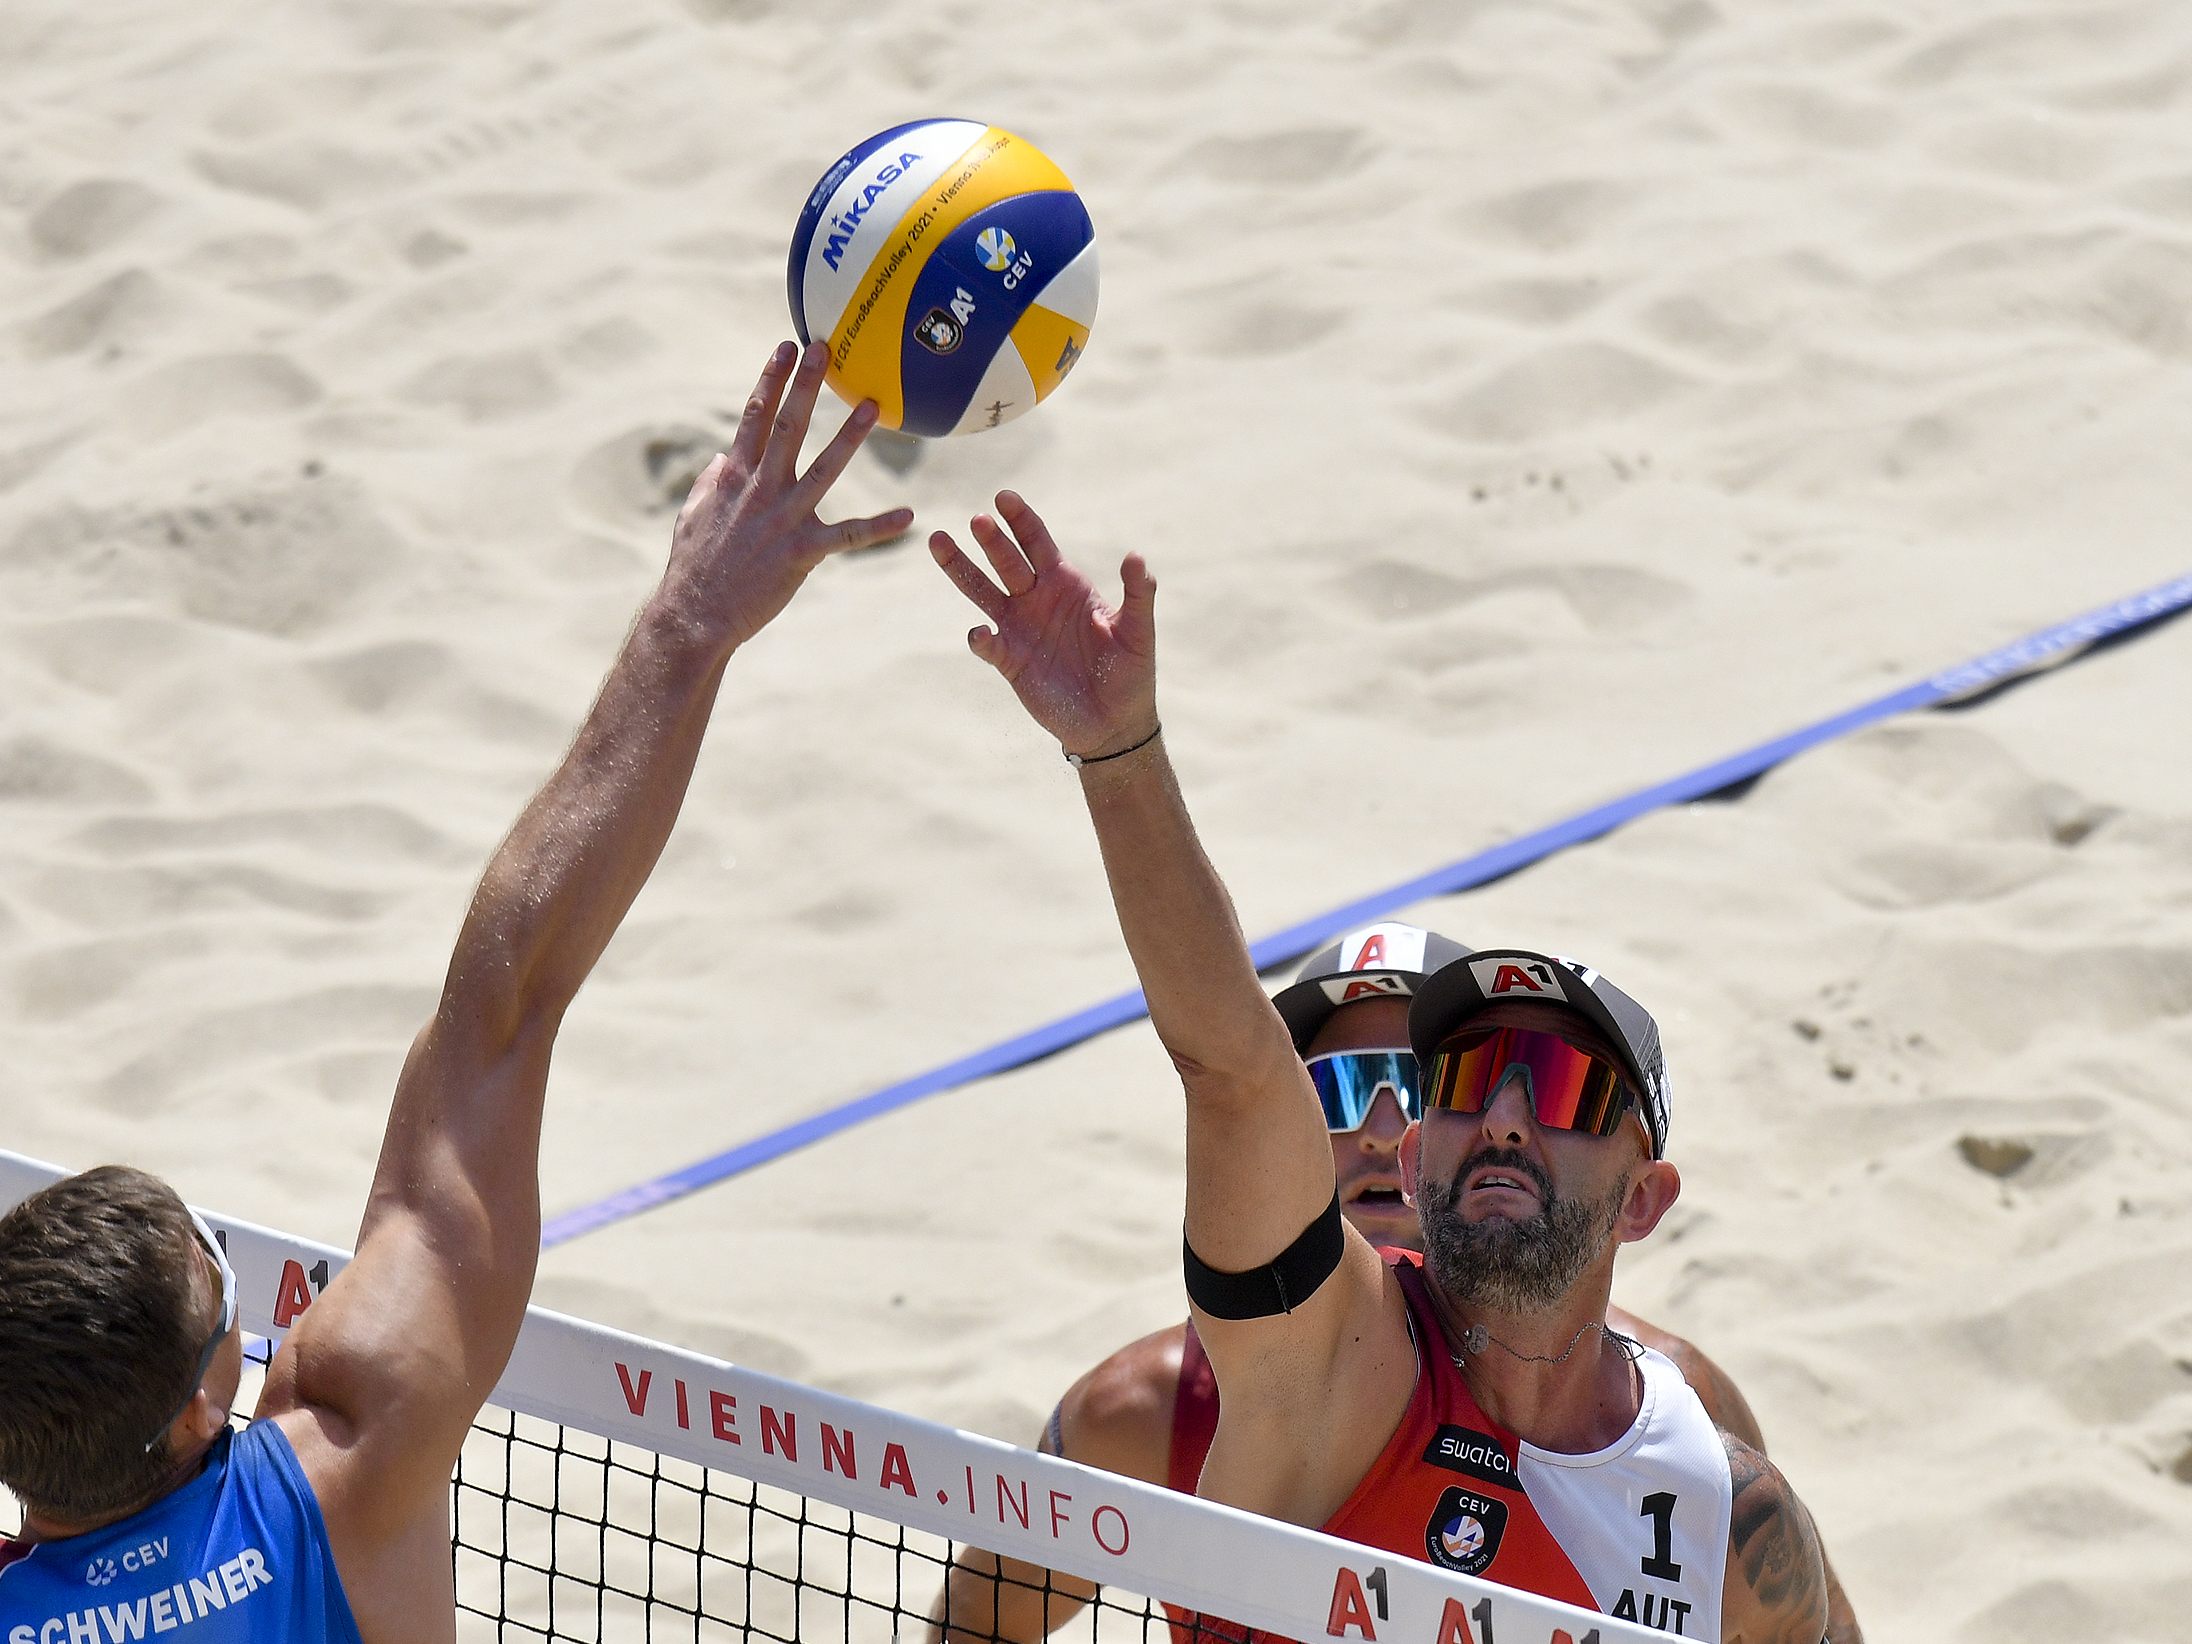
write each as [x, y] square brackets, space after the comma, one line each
[1345, 990]
[1384, 947]
[1517, 979]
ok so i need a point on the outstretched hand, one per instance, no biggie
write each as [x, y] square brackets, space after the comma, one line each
[748, 533]
[1085, 670]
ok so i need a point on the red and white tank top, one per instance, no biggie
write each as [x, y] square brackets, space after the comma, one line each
[1637, 1530]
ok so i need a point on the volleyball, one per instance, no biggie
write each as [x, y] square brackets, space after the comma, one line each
[952, 270]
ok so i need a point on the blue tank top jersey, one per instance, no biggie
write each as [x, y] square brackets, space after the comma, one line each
[239, 1555]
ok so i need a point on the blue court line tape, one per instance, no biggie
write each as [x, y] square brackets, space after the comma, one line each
[2035, 651]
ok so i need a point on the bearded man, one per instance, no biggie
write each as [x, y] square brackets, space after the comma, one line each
[1472, 1409]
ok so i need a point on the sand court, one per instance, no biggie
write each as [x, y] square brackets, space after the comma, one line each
[1518, 406]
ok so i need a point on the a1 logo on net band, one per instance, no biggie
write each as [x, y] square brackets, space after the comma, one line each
[1464, 1531]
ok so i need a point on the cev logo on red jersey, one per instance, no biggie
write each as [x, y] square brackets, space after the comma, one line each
[1517, 979]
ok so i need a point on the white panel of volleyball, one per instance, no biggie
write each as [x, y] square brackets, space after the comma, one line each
[958, 1485]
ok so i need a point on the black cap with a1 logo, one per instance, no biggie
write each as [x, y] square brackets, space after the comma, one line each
[1389, 960]
[1451, 995]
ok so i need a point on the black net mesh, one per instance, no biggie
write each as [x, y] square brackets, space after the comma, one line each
[562, 1535]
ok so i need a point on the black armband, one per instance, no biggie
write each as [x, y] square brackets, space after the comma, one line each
[1278, 1287]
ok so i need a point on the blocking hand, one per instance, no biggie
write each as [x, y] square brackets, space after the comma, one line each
[1085, 670]
[748, 534]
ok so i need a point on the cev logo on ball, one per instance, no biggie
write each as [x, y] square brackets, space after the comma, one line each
[997, 249]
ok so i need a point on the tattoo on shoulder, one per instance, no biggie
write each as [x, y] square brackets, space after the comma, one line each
[1776, 1549]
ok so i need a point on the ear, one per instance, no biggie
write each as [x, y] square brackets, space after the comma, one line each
[1652, 1193]
[1411, 1159]
[203, 1420]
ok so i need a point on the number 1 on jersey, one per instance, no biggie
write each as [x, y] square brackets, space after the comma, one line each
[1660, 1564]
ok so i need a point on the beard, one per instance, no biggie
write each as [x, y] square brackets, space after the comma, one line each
[1523, 1266]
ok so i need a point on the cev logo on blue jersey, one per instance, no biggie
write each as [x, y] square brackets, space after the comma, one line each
[141, 1557]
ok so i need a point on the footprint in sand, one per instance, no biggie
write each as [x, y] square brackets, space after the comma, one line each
[1559, 215]
[90, 216]
[281, 559]
[59, 981]
[309, 176]
[191, 392]
[1306, 157]
[112, 314]
[35, 770]
[414, 677]
[354, 833]
[1251, 318]
[644, 472]
[488, 387]
[1557, 390]
[1573, 600]
[2017, 46]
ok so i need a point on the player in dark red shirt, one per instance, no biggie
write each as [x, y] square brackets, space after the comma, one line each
[1541, 1151]
[1150, 1409]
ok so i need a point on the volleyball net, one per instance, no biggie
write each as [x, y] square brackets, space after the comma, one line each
[618, 1489]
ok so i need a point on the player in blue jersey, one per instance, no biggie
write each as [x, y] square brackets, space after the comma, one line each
[120, 1354]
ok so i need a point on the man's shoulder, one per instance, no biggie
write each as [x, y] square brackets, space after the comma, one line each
[1118, 1416]
[1776, 1583]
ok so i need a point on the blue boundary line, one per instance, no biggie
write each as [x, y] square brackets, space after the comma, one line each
[2035, 651]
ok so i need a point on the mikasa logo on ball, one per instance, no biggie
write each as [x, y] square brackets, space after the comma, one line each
[843, 224]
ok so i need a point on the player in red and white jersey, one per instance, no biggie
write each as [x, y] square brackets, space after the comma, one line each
[1150, 1410]
[1541, 1151]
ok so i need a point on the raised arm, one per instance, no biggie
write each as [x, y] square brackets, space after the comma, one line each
[381, 1378]
[1259, 1164]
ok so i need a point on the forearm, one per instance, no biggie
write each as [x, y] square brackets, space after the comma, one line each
[1205, 1001]
[1259, 1166]
[560, 883]
[1003, 1601]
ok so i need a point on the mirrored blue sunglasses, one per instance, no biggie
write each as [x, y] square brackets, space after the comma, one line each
[1348, 1082]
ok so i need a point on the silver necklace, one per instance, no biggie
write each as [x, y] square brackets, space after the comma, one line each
[1476, 1339]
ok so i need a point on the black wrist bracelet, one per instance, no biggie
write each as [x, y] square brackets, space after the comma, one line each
[1098, 759]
